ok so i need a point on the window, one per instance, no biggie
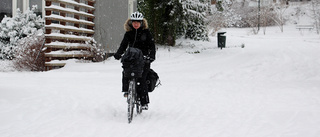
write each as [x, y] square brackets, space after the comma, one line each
[55, 12]
[70, 6]
[83, 26]
[83, 9]
[83, 18]
[20, 5]
[9, 7]
[84, 1]
[5, 9]
[38, 11]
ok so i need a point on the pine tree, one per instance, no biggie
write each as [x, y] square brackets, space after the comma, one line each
[163, 17]
[172, 19]
[195, 24]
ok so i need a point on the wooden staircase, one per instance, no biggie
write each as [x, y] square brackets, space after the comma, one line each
[68, 28]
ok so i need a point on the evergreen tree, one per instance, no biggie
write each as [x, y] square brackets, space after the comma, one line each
[195, 24]
[16, 28]
[163, 17]
[172, 19]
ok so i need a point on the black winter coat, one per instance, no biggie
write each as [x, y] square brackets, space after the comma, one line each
[140, 38]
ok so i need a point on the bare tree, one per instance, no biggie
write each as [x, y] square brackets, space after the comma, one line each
[216, 21]
[266, 15]
[29, 55]
[224, 16]
[279, 16]
[315, 10]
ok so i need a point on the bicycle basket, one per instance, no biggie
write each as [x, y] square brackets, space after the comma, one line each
[132, 62]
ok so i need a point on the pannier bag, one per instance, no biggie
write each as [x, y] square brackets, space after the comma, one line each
[152, 80]
[132, 62]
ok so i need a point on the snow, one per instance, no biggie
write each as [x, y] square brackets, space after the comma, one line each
[60, 52]
[70, 19]
[57, 61]
[70, 36]
[69, 10]
[77, 4]
[269, 88]
[69, 27]
[66, 44]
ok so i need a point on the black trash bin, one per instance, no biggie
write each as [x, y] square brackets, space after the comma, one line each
[221, 40]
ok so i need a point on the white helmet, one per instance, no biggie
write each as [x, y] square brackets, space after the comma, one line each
[136, 16]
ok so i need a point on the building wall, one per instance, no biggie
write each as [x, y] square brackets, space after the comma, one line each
[110, 15]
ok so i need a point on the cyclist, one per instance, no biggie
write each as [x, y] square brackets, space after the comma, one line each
[138, 35]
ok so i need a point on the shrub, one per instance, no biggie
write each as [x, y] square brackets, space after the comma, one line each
[97, 52]
[29, 55]
[16, 28]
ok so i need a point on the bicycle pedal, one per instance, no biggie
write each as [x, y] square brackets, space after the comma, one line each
[144, 107]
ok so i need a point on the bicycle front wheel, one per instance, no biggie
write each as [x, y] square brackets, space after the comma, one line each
[131, 99]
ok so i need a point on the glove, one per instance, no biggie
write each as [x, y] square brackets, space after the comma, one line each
[117, 56]
[148, 59]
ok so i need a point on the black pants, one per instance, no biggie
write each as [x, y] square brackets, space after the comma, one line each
[142, 88]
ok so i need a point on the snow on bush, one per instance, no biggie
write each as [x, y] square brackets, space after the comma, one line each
[16, 28]
[97, 52]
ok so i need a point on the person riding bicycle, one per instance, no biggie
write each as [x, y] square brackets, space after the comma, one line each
[138, 36]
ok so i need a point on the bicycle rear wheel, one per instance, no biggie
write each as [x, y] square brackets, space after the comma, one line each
[138, 106]
[131, 99]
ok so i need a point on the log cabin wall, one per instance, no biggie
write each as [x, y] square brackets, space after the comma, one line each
[69, 24]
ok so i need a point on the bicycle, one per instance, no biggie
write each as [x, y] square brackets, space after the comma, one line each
[132, 98]
[133, 74]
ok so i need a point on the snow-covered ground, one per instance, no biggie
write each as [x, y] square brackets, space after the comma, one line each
[269, 88]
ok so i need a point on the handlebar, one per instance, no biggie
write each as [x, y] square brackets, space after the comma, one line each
[148, 58]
